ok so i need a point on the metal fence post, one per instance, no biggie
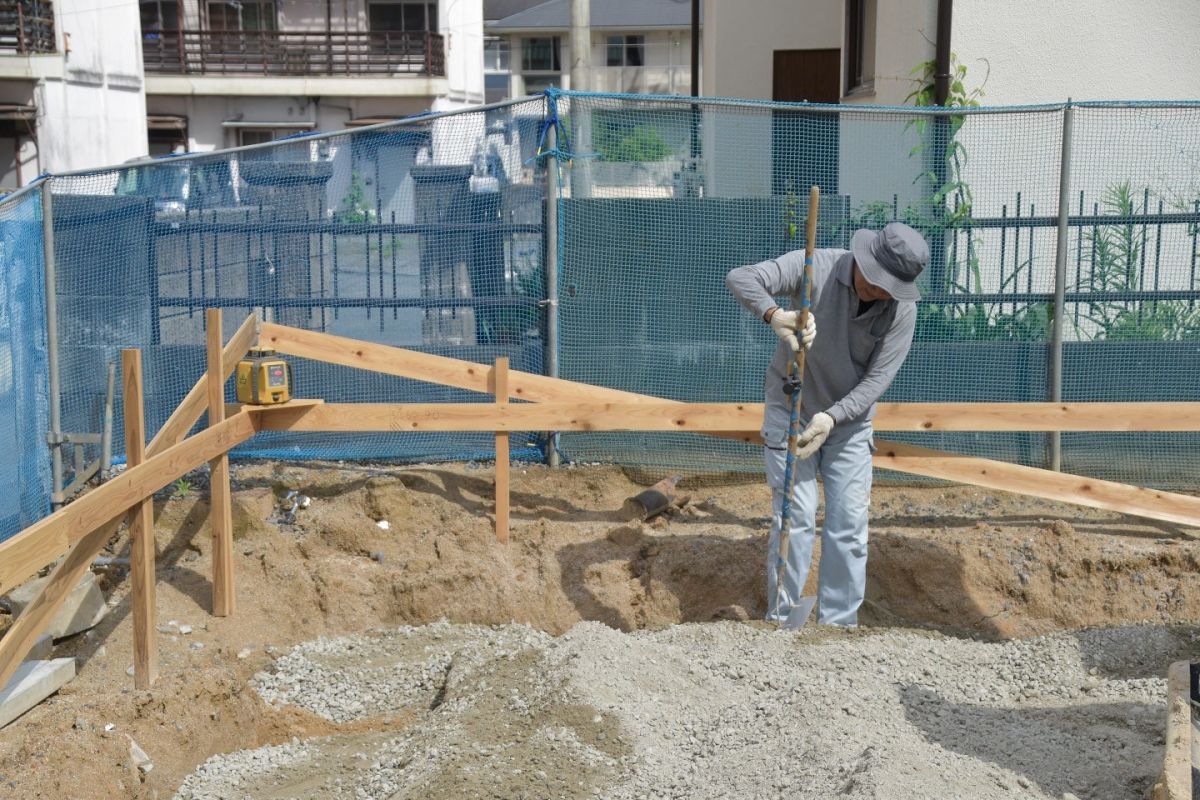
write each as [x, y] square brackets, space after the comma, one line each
[54, 439]
[1060, 281]
[551, 261]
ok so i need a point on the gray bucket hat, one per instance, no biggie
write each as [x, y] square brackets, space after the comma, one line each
[891, 259]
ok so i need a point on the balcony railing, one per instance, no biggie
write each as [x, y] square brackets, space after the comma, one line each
[26, 26]
[293, 53]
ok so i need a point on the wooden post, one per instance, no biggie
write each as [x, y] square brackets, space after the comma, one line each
[141, 529]
[221, 502]
[500, 388]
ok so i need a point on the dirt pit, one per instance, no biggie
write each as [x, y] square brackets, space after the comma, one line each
[1010, 647]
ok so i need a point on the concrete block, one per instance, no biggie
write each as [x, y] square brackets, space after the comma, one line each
[83, 608]
[42, 649]
[32, 683]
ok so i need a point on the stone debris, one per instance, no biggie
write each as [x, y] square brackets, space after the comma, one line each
[711, 711]
[138, 757]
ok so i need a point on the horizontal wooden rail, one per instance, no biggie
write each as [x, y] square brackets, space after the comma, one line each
[1038, 417]
[1091, 492]
[661, 416]
[651, 414]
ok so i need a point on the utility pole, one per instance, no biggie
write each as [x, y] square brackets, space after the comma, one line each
[581, 81]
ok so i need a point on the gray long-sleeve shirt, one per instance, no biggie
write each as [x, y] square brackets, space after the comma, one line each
[855, 356]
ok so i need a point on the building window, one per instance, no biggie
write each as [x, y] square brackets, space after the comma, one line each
[495, 87]
[626, 51]
[540, 54]
[411, 16]
[158, 15]
[860, 45]
[497, 54]
[259, 135]
[241, 16]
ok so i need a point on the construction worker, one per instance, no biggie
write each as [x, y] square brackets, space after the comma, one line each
[864, 304]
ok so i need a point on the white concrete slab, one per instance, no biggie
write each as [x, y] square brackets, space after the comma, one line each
[83, 608]
[32, 683]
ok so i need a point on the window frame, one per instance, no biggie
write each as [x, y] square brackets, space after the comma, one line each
[502, 53]
[555, 55]
[623, 44]
[261, 5]
[430, 16]
[859, 47]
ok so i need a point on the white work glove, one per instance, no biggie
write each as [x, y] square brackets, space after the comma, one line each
[784, 323]
[814, 435]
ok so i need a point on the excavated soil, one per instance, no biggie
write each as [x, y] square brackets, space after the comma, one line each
[965, 563]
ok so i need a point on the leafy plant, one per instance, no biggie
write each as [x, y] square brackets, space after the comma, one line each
[948, 157]
[1116, 269]
[354, 204]
[511, 324]
[182, 487]
[637, 143]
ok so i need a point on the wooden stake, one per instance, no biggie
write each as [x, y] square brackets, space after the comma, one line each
[187, 412]
[500, 389]
[141, 529]
[89, 522]
[221, 500]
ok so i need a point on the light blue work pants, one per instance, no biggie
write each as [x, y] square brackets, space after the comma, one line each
[844, 462]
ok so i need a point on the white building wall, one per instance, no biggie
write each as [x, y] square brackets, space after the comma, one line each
[905, 32]
[96, 114]
[461, 24]
[741, 38]
[1083, 49]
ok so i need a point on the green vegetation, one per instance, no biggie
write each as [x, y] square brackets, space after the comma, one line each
[947, 157]
[354, 204]
[637, 143]
[1116, 267]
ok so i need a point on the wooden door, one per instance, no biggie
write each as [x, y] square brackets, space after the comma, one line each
[804, 145]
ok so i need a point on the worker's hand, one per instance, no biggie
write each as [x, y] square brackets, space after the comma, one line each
[785, 323]
[814, 435]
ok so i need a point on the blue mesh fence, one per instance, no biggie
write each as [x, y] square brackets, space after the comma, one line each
[25, 483]
[662, 196]
[431, 234]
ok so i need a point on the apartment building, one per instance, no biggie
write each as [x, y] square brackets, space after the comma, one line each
[71, 88]
[639, 46]
[226, 73]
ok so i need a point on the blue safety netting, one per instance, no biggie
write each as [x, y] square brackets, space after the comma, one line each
[431, 233]
[24, 410]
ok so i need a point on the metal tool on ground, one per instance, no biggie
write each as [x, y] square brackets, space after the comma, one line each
[795, 616]
[263, 378]
[653, 501]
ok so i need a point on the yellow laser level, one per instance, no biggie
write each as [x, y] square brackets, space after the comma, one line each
[263, 378]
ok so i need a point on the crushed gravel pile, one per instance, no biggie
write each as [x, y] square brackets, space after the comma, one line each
[343, 679]
[714, 711]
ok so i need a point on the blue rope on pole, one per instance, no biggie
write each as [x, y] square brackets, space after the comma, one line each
[796, 383]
